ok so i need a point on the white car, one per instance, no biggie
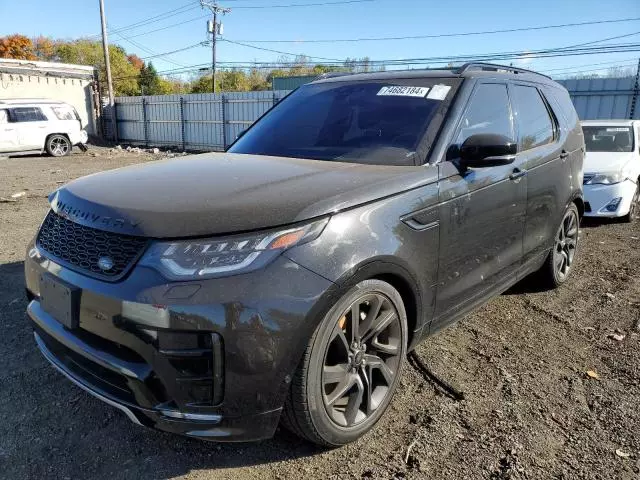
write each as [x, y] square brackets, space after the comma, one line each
[612, 168]
[35, 126]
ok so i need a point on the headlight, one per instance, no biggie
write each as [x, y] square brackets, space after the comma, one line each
[215, 257]
[608, 178]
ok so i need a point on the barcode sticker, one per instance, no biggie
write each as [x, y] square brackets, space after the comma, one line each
[402, 91]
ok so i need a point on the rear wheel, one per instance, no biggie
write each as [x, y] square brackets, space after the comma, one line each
[350, 368]
[559, 263]
[58, 145]
[634, 209]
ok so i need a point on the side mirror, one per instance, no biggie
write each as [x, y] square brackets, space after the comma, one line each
[487, 150]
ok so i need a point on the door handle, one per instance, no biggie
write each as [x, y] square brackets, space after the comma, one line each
[564, 154]
[517, 173]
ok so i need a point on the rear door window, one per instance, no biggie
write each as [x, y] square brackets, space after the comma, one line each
[535, 127]
[27, 114]
[488, 111]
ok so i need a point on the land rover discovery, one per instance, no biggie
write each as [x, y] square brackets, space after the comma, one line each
[285, 280]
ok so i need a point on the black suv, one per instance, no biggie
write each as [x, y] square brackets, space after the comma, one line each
[286, 279]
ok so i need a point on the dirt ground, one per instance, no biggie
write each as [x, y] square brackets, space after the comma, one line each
[530, 411]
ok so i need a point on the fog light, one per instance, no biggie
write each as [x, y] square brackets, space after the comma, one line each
[612, 206]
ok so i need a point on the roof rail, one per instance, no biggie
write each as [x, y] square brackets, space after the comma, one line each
[322, 76]
[494, 67]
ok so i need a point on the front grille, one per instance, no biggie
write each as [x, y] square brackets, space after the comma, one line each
[81, 247]
[587, 177]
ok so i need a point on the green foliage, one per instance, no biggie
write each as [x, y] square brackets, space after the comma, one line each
[89, 52]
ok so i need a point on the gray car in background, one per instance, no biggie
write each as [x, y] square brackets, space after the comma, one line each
[285, 280]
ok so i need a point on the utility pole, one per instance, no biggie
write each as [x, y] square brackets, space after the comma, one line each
[636, 92]
[107, 66]
[215, 29]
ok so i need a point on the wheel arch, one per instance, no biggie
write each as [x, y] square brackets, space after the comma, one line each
[400, 278]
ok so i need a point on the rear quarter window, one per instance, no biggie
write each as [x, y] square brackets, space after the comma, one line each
[63, 112]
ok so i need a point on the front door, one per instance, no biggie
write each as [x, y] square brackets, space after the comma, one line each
[482, 212]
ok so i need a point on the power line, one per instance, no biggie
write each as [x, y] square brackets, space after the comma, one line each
[277, 51]
[456, 34]
[590, 65]
[498, 56]
[191, 6]
[161, 16]
[142, 47]
[200, 44]
[292, 5]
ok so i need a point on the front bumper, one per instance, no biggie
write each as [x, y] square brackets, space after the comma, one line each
[78, 137]
[597, 197]
[217, 367]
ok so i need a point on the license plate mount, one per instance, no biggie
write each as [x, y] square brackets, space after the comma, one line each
[60, 300]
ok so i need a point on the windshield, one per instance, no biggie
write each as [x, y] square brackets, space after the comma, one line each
[608, 139]
[373, 122]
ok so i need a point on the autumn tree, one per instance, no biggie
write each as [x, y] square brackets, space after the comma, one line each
[44, 48]
[89, 52]
[17, 47]
[136, 61]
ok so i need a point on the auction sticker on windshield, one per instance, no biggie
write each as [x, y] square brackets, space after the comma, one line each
[403, 91]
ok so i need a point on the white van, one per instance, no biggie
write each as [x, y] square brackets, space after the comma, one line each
[39, 125]
[612, 168]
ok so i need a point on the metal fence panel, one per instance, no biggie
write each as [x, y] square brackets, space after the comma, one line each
[602, 98]
[197, 121]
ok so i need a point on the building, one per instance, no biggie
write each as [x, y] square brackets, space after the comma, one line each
[74, 84]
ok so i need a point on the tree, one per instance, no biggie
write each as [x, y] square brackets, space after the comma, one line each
[148, 81]
[17, 47]
[89, 52]
[136, 61]
[44, 48]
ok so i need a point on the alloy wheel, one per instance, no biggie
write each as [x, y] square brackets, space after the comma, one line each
[59, 146]
[566, 243]
[362, 360]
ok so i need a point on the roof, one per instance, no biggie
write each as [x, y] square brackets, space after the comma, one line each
[22, 101]
[468, 70]
[613, 122]
[53, 69]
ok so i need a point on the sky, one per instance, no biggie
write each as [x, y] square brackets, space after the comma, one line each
[70, 19]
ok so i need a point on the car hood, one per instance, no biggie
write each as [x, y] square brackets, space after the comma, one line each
[218, 193]
[601, 162]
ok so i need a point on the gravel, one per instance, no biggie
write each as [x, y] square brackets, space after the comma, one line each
[530, 409]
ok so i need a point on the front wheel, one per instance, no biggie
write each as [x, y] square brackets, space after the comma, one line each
[559, 262]
[350, 368]
[634, 209]
[58, 145]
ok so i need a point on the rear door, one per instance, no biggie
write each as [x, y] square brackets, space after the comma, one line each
[541, 154]
[8, 134]
[31, 126]
[481, 212]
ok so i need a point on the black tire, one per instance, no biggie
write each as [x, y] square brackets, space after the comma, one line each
[58, 145]
[559, 263]
[634, 210]
[313, 410]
